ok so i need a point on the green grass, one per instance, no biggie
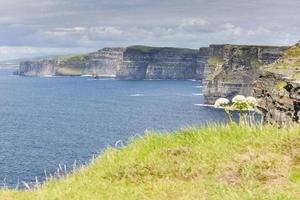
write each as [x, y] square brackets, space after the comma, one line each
[218, 61]
[252, 46]
[215, 60]
[216, 162]
[289, 61]
[70, 71]
[280, 86]
[73, 56]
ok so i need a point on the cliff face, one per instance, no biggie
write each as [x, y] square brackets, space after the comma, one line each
[278, 89]
[159, 63]
[232, 69]
[132, 63]
[105, 62]
[37, 68]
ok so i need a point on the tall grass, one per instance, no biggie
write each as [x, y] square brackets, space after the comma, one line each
[213, 162]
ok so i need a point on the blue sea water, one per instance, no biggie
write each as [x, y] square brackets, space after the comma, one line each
[50, 121]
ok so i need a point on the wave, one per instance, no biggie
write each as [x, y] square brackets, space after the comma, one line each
[197, 94]
[203, 105]
[137, 95]
[101, 79]
[199, 86]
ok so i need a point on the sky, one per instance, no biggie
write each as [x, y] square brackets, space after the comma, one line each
[30, 28]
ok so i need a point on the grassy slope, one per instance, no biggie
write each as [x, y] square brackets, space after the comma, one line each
[74, 64]
[70, 71]
[289, 64]
[196, 163]
[73, 56]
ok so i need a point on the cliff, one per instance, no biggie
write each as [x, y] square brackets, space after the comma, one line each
[37, 68]
[105, 62]
[232, 69]
[142, 62]
[131, 63]
[278, 89]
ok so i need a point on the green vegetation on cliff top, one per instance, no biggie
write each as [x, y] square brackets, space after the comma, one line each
[289, 64]
[70, 71]
[73, 56]
[149, 49]
[215, 60]
[251, 46]
[214, 162]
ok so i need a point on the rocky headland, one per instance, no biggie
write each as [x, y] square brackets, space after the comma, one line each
[278, 89]
[233, 69]
[272, 73]
[131, 63]
[105, 62]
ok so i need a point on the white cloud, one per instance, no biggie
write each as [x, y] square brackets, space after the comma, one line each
[193, 22]
[232, 29]
[93, 24]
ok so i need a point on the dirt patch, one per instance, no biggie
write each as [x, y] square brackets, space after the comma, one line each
[266, 167]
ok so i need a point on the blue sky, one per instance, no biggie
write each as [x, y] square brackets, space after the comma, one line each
[33, 27]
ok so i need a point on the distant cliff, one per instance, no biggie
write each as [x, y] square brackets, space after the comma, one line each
[131, 63]
[105, 62]
[232, 69]
[142, 62]
[278, 89]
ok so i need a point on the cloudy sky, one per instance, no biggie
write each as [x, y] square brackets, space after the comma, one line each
[45, 27]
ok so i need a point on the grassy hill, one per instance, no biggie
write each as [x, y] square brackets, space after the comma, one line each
[216, 162]
[289, 64]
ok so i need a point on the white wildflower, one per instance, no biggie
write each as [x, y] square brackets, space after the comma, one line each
[239, 99]
[251, 100]
[221, 102]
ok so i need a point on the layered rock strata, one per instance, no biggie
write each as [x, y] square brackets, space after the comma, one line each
[278, 89]
[131, 63]
[232, 69]
[105, 62]
[141, 62]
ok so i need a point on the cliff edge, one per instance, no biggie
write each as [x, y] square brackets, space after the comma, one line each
[131, 63]
[233, 69]
[278, 89]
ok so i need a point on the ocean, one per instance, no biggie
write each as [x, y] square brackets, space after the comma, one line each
[47, 122]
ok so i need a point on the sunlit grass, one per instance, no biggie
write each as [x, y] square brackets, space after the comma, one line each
[215, 60]
[214, 162]
[70, 71]
[73, 56]
[290, 59]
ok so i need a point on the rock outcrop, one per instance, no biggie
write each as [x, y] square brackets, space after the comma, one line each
[232, 69]
[278, 89]
[131, 63]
